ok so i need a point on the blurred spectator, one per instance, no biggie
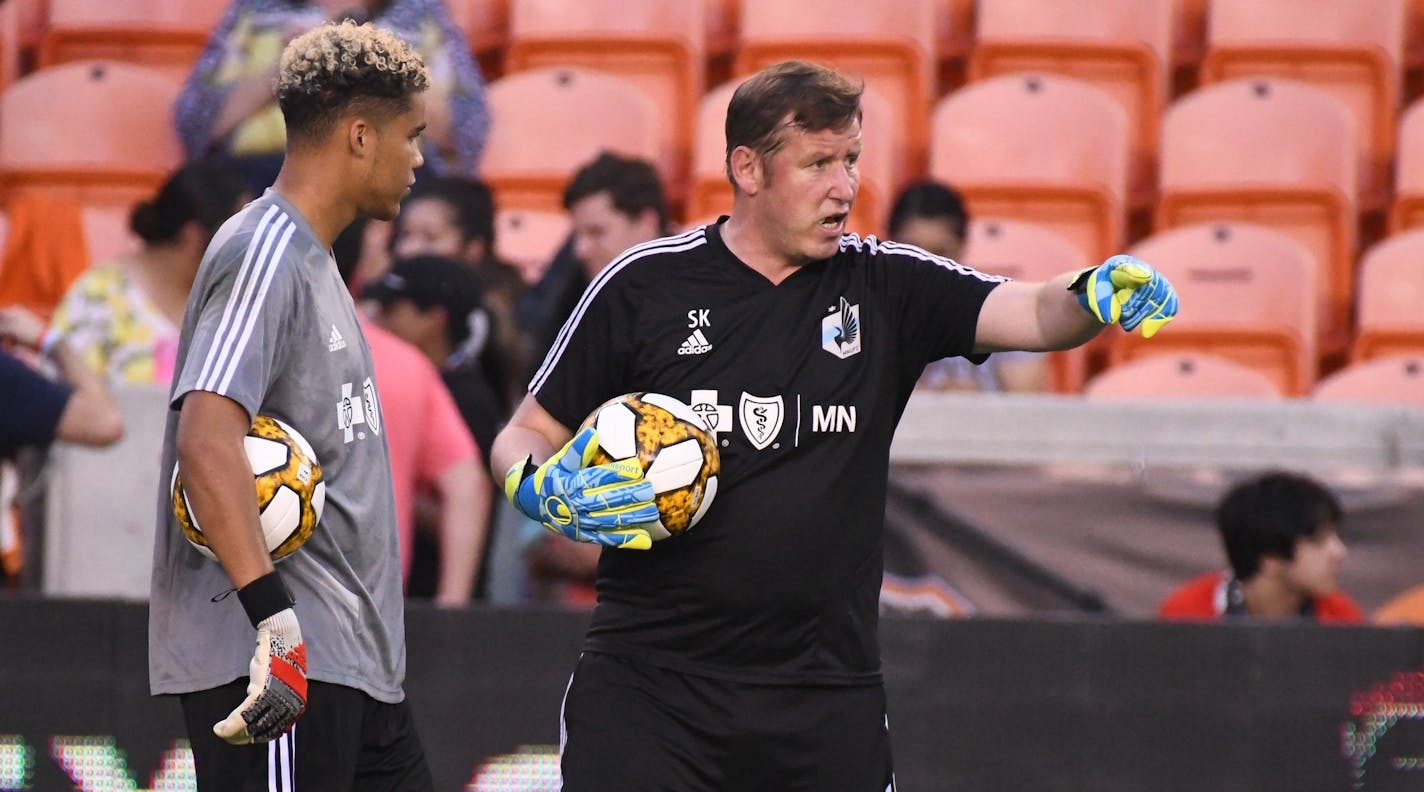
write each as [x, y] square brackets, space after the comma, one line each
[453, 217]
[1281, 536]
[122, 317]
[932, 216]
[435, 304]
[76, 409]
[227, 105]
[432, 451]
[615, 203]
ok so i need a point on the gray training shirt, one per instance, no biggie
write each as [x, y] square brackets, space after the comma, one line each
[270, 325]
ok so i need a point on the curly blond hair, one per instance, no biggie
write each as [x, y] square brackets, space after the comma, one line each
[343, 67]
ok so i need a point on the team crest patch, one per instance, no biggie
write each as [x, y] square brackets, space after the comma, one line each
[761, 418]
[840, 331]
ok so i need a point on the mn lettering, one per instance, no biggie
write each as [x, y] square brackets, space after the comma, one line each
[832, 418]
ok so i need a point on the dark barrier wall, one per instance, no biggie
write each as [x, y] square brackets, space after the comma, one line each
[974, 705]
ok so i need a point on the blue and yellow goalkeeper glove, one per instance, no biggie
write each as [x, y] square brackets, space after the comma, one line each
[603, 504]
[1126, 291]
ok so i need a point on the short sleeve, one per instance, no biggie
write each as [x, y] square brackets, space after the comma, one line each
[248, 305]
[936, 299]
[446, 439]
[33, 405]
[588, 363]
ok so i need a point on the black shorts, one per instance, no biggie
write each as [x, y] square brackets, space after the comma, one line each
[345, 741]
[634, 727]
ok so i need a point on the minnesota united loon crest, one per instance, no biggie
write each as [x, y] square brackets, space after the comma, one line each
[840, 331]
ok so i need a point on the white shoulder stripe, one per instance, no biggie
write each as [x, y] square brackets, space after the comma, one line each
[247, 296]
[676, 244]
[923, 255]
[234, 294]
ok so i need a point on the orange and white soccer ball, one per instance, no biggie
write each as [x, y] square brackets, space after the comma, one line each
[290, 489]
[672, 443]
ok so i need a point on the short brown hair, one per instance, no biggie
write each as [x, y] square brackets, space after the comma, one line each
[339, 67]
[816, 99]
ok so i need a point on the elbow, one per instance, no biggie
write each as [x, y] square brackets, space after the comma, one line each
[109, 429]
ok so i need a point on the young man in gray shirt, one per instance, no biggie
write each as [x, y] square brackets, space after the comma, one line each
[260, 336]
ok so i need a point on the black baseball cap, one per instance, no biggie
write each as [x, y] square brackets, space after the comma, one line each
[428, 281]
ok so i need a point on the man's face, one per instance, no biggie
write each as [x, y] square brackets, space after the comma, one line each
[934, 234]
[601, 232]
[427, 228]
[1315, 570]
[397, 155]
[808, 188]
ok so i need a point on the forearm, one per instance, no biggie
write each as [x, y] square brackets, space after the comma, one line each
[514, 444]
[92, 416]
[1063, 323]
[242, 100]
[217, 480]
[464, 524]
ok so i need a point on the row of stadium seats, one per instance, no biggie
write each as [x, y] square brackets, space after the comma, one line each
[1395, 379]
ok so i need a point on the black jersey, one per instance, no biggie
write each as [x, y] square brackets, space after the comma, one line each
[803, 383]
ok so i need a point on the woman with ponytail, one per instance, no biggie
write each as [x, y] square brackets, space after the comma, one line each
[122, 316]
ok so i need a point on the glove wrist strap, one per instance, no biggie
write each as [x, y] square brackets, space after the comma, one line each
[1080, 282]
[518, 472]
[265, 596]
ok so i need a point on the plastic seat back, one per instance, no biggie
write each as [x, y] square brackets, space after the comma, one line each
[889, 43]
[653, 44]
[1395, 379]
[1247, 293]
[1389, 314]
[1408, 209]
[1273, 152]
[1029, 252]
[1181, 376]
[988, 141]
[1353, 50]
[528, 239]
[554, 121]
[1120, 46]
[163, 34]
[96, 132]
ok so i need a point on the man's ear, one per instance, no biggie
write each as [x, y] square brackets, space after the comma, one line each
[748, 170]
[360, 136]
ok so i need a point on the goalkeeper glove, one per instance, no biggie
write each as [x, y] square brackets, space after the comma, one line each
[602, 504]
[277, 683]
[1126, 291]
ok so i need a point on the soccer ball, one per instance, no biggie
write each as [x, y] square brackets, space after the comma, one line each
[290, 489]
[677, 451]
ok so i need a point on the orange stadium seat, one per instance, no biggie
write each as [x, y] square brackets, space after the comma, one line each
[96, 132]
[720, 26]
[1389, 315]
[1121, 46]
[1394, 379]
[1181, 375]
[164, 34]
[553, 122]
[1275, 152]
[1248, 293]
[1353, 50]
[485, 23]
[1408, 209]
[889, 43]
[1029, 252]
[1043, 148]
[1188, 32]
[528, 239]
[654, 44]
[710, 194]
[954, 28]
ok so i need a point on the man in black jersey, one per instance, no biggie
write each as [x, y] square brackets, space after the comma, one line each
[742, 655]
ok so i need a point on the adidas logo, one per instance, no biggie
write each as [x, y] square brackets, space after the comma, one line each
[695, 344]
[335, 342]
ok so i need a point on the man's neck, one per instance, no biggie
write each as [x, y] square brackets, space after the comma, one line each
[748, 242]
[1268, 598]
[305, 184]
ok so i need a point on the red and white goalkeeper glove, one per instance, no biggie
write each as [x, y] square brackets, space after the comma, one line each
[277, 684]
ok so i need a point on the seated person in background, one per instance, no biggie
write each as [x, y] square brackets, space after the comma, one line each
[453, 217]
[76, 409]
[931, 216]
[122, 316]
[1281, 536]
[227, 105]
